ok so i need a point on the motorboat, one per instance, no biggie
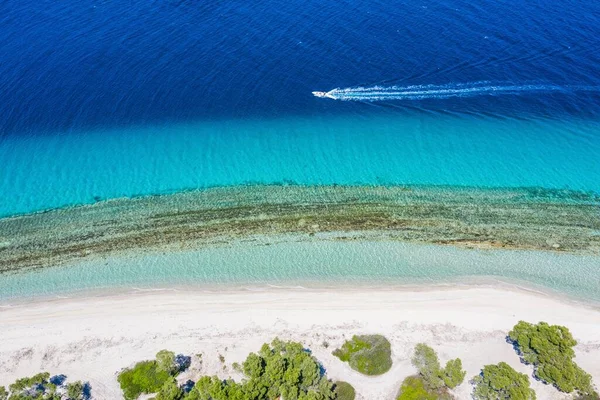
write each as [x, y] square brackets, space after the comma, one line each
[323, 95]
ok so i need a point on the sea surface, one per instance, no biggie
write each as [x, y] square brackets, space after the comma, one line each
[103, 99]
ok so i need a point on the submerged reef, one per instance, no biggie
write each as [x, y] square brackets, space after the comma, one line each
[527, 218]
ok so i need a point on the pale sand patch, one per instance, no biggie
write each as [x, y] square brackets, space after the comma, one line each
[93, 338]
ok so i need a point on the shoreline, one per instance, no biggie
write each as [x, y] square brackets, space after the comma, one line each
[458, 284]
[313, 262]
[65, 335]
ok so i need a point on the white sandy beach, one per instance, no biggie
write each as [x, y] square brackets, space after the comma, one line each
[93, 338]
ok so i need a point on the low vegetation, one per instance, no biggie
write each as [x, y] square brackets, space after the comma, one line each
[279, 370]
[413, 388]
[344, 391]
[501, 381]
[170, 390]
[549, 348]
[44, 387]
[152, 376]
[432, 381]
[367, 354]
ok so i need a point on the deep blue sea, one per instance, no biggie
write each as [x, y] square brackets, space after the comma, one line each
[105, 98]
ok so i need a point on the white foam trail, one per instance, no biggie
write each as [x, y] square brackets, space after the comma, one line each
[421, 92]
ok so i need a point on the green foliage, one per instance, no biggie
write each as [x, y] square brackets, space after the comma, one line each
[426, 361]
[413, 388]
[501, 382]
[435, 377]
[75, 390]
[40, 387]
[367, 354]
[144, 377]
[344, 391]
[165, 361]
[26, 383]
[170, 390]
[282, 369]
[453, 374]
[213, 388]
[550, 349]
[36, 387]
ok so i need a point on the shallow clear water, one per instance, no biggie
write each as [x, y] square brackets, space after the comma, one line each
[314, 263]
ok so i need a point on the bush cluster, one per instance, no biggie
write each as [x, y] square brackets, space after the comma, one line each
[344, 391]
[501, 381]
[432, 381]
[549, 348]
[279, 370]
[367, 354]
[44, 387]
[413, 388]
[154, 376]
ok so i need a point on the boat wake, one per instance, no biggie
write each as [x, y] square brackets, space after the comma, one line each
[422, 92]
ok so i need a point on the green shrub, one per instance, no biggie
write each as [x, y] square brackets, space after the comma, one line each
[434, 377]
[165, 361]
[367, 354]
[550, 349]
[37, 387]
[26, 383]
[426, 361]
[170, 390]
[453, 373]
[344, 391]
[75, 390]
[413, 388]
[213, 388]
[501, 381]
[144, 377]
[282, 369]
[42, 387]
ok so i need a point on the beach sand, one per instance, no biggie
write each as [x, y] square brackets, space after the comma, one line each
[93, 338]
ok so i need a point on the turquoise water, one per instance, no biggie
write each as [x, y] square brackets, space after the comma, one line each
[313, 263]
[47, 171]
[105, 99]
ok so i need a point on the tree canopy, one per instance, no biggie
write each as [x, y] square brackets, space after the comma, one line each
[144, 377]
[154, 376]
[165, 361]
[367, 354]
[549, 348]
[432, 381]
[413, 388]
[170, 390]
[502, 382]
[344, 391]
[434, 376]
[76, 390]
[281, 369]
[43, 387]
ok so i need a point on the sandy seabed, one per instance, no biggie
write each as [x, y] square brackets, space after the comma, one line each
[92, 338]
